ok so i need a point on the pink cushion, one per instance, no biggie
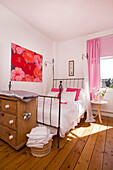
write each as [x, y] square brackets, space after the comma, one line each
[63, 102]
[73, 90]
[56, 90]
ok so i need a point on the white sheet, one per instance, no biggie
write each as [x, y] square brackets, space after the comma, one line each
[70, 114]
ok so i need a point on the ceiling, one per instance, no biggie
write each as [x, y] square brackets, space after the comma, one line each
[62, 20]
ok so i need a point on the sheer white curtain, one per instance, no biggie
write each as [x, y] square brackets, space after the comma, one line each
[86, 86]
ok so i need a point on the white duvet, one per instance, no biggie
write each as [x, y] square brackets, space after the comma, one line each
[70, 114]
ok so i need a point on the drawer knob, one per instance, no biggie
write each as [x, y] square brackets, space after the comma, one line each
[11, 137]
[11, 122]
[2, 114]
[7, 106]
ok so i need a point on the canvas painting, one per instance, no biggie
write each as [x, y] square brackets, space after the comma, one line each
[26, 65]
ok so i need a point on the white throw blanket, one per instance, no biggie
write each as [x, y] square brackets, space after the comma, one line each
[38, 137]
[40, 131]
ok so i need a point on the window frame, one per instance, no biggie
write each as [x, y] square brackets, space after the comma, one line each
[106, 79]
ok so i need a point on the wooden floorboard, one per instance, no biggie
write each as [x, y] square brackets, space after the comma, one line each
[75, 153]
[89, 146]
[85, 156]
[97, 155]
[108, 154]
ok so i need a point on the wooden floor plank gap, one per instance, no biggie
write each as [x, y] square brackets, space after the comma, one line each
[5, 161]
[93, 148]
[56, 154]
[84, 159]
[83, 149]
[23, 163]
[69, 152]
[72, 149]
[105, 144]
[17, 162]
[96, 157]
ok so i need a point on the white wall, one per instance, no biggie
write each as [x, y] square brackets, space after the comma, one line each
[69, 50]
[13, 29]
[72, 50]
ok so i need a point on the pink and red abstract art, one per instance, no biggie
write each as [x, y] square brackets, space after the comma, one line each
[26, 65]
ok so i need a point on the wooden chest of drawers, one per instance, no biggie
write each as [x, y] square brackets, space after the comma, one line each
[13, 125]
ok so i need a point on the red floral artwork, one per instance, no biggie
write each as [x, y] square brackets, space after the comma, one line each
[29, 68]
[26, 65]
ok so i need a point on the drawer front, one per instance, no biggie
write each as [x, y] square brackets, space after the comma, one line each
[9, 106]
[8, 135]
[8, 120]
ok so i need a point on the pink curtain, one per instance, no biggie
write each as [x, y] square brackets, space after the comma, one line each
[107, 46]
[93, 51]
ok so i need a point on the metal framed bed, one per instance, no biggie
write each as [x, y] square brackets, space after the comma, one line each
[71, 82]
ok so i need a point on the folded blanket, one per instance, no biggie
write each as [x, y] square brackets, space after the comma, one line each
[38, 143]
[45, 140]
[38, 137]
[39, 131]
[35, 137]
[35, 145]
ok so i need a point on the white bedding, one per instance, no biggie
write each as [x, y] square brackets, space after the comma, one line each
[70, 114]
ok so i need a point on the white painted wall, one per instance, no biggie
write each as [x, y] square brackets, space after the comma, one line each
[69, 50]
[72, 50]
[13, 29]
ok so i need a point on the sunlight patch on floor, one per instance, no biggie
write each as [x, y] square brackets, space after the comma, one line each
[71, 135]
[77, 133]
[69, 139]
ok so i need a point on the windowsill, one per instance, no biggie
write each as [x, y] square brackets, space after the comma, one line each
[109, 90]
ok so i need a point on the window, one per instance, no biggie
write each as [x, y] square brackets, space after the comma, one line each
[106, 71]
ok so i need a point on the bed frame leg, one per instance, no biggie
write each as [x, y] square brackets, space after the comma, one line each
[58, 139]
[58, 143]
[60, 88]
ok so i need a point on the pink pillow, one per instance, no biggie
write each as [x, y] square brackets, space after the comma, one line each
[56, 90]
[73, 90]
[63, 102]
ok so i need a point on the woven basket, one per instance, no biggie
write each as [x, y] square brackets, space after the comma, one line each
[40, 152]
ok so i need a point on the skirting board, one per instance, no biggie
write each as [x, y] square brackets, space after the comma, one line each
[104, 113]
